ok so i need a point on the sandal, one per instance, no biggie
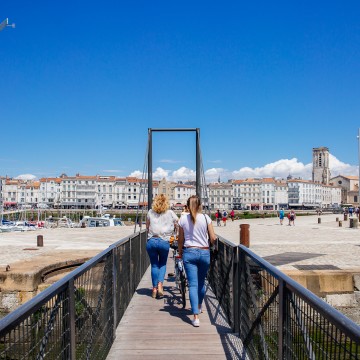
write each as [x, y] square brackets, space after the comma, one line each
[160, 292]
[154, 293]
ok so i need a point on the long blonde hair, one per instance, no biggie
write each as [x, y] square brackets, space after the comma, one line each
[194, 206]
[160, 203]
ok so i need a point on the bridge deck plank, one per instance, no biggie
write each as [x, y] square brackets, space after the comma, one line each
[161, 328]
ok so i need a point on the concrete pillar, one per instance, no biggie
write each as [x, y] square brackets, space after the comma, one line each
[340, 223]
[245, 235]
[40, 240]
[319, 220]
[354, 223]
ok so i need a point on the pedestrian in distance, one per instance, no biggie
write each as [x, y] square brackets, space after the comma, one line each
[281, 216]
[196, 234]
[292, 218]
[218, 217]
[232, 214]
[224, 217]
[160, 224]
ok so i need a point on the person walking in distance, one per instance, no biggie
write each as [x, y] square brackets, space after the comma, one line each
[224, 217]
[292, 217]
[195, 234]
[218, 217]
[281, 216]
[232, 214]
[160, 224]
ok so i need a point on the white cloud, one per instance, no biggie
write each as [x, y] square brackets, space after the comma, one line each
[278, 169]
[183, 174]
[137, 174]
[26, 177]
[213, 174]
[337, 167]
[161, 173]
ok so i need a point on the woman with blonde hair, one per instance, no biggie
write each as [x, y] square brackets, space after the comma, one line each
[193, 241]
[160, 224]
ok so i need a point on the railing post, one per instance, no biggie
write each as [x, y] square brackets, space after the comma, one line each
[242, 291]
[281, 318]
[114, 279]
[140, 253]
[131, 278]
[72, 315]
[235, 284]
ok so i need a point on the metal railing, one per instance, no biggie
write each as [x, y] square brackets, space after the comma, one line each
[276, 317]
[76, 317]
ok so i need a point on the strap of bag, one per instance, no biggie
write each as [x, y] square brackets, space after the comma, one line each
[207, 231]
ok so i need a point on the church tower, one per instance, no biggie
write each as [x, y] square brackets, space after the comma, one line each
[321, 169]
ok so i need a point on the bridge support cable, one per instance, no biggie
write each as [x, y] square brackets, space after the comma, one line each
[142, 195]
[203, 187]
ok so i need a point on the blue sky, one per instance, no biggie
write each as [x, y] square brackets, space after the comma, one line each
[82, 81]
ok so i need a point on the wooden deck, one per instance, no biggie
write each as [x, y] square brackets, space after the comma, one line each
[161, 329]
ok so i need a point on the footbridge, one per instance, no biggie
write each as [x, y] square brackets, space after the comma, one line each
[104, 310]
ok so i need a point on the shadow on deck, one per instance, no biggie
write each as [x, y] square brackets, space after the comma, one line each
[161, 328]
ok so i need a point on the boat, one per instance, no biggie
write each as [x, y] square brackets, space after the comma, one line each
[103, 221]
[64, 222]
[6, 226]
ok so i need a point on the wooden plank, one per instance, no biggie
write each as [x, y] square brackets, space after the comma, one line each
[161, 328]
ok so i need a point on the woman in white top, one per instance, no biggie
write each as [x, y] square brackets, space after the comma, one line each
[160, 224]
[194, 249]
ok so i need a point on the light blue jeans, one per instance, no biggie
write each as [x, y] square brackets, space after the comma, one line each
[196, 263]
[158, 250]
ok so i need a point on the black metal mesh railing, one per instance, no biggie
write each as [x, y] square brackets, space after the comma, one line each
[221, 276]
[76, 317]
[276, 317]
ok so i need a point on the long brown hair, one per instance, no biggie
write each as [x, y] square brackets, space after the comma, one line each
[194, 206]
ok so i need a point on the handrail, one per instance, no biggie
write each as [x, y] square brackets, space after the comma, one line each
[94, 295]
[24, 310]
[275, 316]
[340, 320]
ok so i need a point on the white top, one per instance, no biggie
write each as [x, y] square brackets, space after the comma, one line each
[161, 225]
[195, 234]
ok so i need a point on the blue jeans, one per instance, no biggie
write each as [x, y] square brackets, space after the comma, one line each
[196, 263]
[158, 250]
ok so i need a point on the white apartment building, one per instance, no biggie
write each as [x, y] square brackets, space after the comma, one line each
[281, 194]
[182, 192]
[132, 192]
[331, 196]
[248, 193]
[336, 192]
[220, 196]
[257, 194]
[10, 192]
[78, 192]
[305, 193]
[274, 194]
[50, 189]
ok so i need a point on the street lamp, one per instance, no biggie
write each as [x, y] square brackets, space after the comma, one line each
[5, 23]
